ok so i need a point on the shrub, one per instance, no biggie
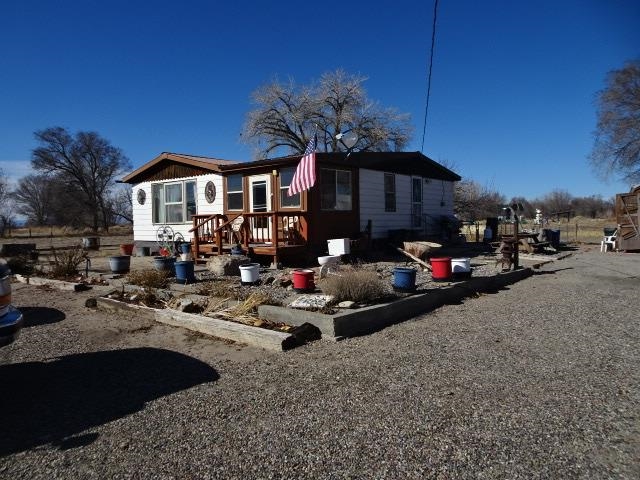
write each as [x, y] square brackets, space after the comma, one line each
[219, 288]
[149, 278]
[359, 286]
[66, 262]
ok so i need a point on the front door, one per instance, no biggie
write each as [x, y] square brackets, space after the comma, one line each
[260, 202]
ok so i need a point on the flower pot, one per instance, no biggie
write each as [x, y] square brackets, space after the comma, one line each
[237, 250]
[404, 279]
[184, 272]
[120, 263]
[441, 269]
[303, 280]
[126, 249]
[164, 264]
[249, 273]
[91, 243]
[185, 247]
[461, 267]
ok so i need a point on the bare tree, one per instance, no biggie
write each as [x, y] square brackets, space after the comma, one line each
[286, 116]
[556, 201]
[617, 136]
[472, 201]
[33, 197]
[121, 204]
[528, 210]
[87, 162]
[6, 205]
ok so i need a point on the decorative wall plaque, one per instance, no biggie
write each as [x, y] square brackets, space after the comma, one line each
[210, 192]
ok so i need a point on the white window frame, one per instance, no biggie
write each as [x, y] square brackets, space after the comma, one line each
[241, 192]
[160, 217]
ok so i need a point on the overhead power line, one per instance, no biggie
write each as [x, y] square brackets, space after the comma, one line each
[433, 44]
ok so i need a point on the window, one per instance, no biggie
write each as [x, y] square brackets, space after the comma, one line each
[389, 192]
[173, 202]
[416, 202]
[335, 189]
[235, 199]
[286, 175]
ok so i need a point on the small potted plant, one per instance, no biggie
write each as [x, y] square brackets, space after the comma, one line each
[237, 249]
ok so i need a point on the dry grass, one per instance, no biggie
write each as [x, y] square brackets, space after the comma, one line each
[244, 312]
[62, 231]
[218, 288]
[149, 278]
[360, 286]
[577, 230]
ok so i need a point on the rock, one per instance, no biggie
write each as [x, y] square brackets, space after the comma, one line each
[226, 264]
[186, 305]
[347, 304]
[311, 301]
[91, 302]
[306, 333]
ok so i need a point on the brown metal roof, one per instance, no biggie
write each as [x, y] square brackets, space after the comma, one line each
[207, 163]
[407, 163]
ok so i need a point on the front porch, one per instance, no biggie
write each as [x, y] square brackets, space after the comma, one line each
[275, 234]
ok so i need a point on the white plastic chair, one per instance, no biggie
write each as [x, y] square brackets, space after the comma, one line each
[609, 240]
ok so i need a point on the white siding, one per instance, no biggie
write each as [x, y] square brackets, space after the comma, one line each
[372, 202]
[143, 227]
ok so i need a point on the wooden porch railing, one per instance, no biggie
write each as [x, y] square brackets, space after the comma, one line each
[276, 229]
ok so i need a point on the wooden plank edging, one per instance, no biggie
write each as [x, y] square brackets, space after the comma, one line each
[237, 332]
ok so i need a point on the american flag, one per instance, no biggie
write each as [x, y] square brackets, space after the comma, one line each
[305, 176]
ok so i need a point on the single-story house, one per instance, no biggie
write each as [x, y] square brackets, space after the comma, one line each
[214, 203]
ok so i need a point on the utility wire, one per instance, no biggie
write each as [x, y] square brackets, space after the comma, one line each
[433, 44]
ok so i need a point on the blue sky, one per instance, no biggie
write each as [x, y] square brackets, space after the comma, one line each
[512, 96]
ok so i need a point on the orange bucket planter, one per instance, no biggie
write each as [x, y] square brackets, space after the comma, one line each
[126, 249]
[441, 269]
[303, 280]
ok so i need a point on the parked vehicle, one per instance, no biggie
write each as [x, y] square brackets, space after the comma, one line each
[10, 318]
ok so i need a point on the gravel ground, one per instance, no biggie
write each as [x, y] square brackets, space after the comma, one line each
[539, 380]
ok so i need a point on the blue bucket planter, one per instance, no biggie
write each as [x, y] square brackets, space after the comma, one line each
[185, 247]
[404, 279]
[164, 264]
[184, 272]
[120, 263]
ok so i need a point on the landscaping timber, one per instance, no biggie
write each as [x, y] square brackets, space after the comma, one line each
[369, 319]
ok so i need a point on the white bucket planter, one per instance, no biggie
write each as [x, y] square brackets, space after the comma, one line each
[461, 267]
[249, 273]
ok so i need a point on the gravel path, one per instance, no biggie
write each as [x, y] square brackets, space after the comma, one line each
[540, 380]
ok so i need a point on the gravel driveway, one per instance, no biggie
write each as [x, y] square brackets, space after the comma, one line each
[540, 380]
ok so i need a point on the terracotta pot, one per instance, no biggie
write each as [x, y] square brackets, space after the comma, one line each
[126, 249]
